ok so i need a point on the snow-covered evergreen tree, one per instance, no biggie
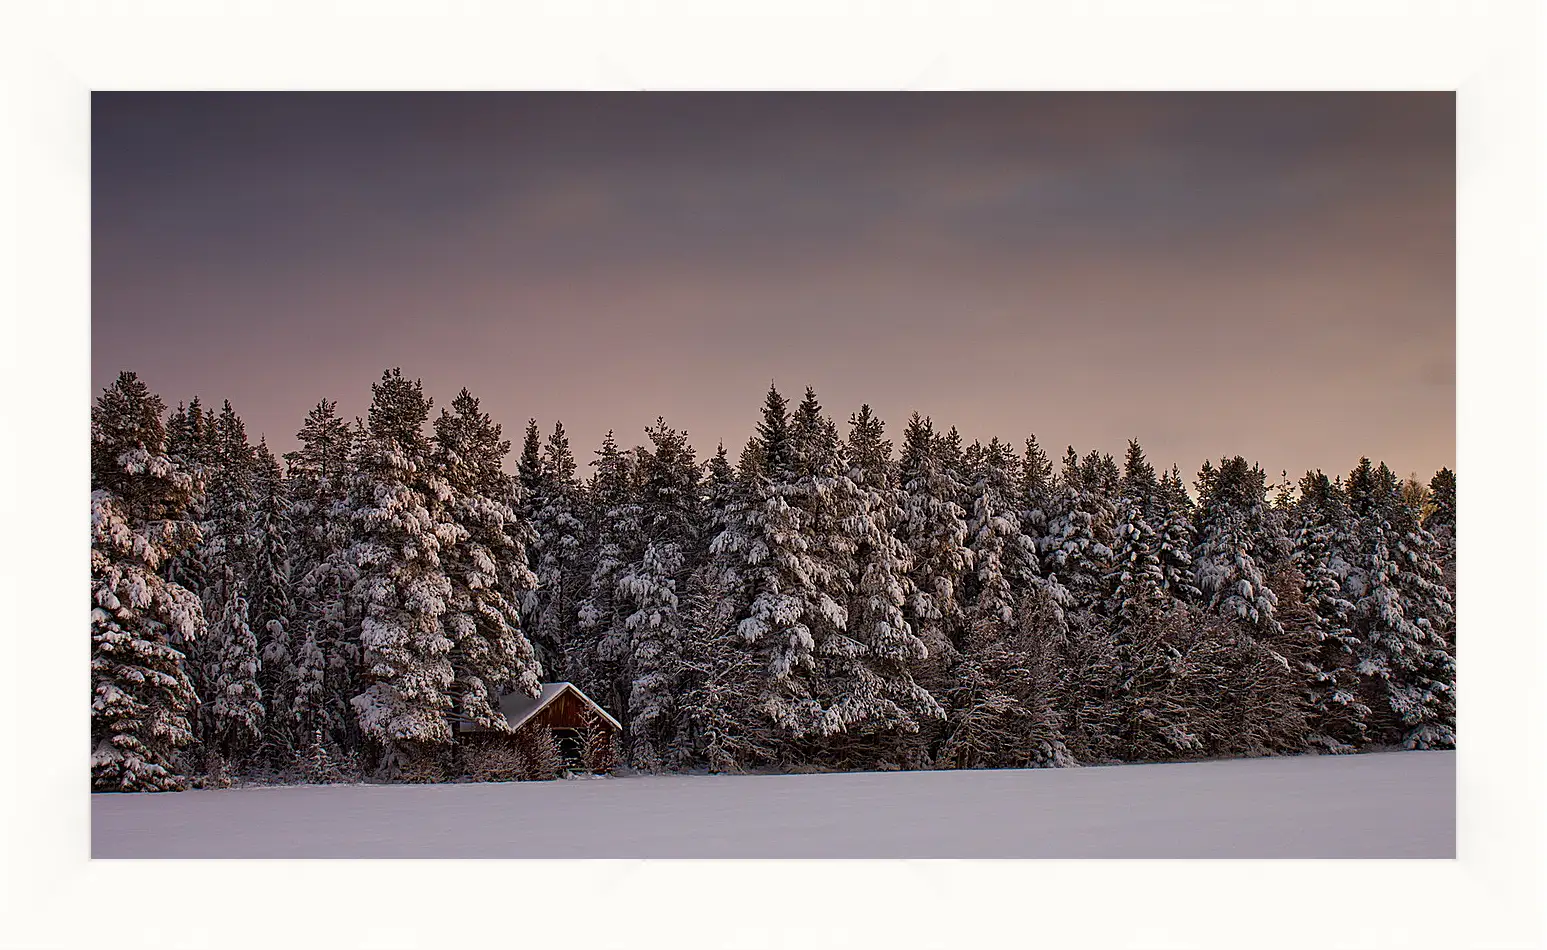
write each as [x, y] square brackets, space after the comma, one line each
[142, 697]
[1038, 489]
[485, 564]
[868, 687]
[1136, 576]
[270, 608]
[613, 517]
[721, 724]
[559, 532]
[1074, 550]
[1440, 521]
[1174, 527]
[1230, 547]
[934, 529]
[770, 556]
[190, 445]
[1324, 552]
[671, 522]
[226, 662]
[1401, 609]
[400, 532]
[327, 622]
[1003, 695]
[233, 712]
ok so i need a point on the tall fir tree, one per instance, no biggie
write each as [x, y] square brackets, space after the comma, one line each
[486, 565]
[400, 533]
[1324, 552]
[1232, 551]
[1074, 550]
[934, 529]
[142, 698]
[230, 721]
[873, 700]
[613, 518]
[327, 620]
[560, 545]
[1401, 613]
[1176, 538]
[1439, 519]
[671, 525]
[270, 607]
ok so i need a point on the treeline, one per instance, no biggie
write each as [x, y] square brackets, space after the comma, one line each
[822, 603]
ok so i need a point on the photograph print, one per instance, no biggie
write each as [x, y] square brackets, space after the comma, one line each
[773, 475]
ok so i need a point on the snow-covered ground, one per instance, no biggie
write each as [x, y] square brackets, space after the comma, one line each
[1397, 805]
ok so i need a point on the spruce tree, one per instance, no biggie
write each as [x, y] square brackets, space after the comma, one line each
[1402, 612]
[142, 698]
[869, 685]
[560, 544]
[271, 611]
[934, 529]
[400, 532]
[327, 620]
[1231, 546]
[230, 721]
[671, 521]
[1136, 576]
[233, 711]
[1439, 520]
[1175, 541]
[613, 519]
[1074, 550]
[1324, 552]
[485, 564]
[768, 556]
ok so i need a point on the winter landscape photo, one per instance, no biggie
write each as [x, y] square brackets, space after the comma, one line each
[773, 475]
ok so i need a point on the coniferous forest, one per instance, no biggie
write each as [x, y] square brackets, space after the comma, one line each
[826, 599]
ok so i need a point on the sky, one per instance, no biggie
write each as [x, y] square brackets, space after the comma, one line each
[1263, 274]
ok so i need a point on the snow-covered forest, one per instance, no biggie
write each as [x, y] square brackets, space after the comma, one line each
[825, 600]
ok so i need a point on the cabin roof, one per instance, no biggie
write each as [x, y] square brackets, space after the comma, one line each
[518, 709]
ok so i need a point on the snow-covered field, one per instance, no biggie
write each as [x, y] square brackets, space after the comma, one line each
[1397, 805]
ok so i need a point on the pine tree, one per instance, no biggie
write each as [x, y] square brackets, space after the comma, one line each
[1324, 549]
[562, 576]
[671, 523]
[1138, 482]
[720, 723]
[190, 445]
[142, 697]
[529, 469]
[613, 518]
[1003, 695]
[1037, 489]
[1175, 539]
[1402, 611]
[770, 557]
[233, 711]
[1440, 521]
[402, 591]
[934, 529]
[225, 663]
[1231, 543]
[485, 565]
[1074, 550]
[1003, 556]
[1136, 576]
[271, 611]
[869, 686]
[327, 621]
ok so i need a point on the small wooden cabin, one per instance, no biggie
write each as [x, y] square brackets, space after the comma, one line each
[578, 724]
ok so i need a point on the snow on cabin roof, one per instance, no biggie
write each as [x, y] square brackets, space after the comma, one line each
[518, 708]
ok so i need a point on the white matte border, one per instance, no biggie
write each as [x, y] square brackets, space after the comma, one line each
[57, 52]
